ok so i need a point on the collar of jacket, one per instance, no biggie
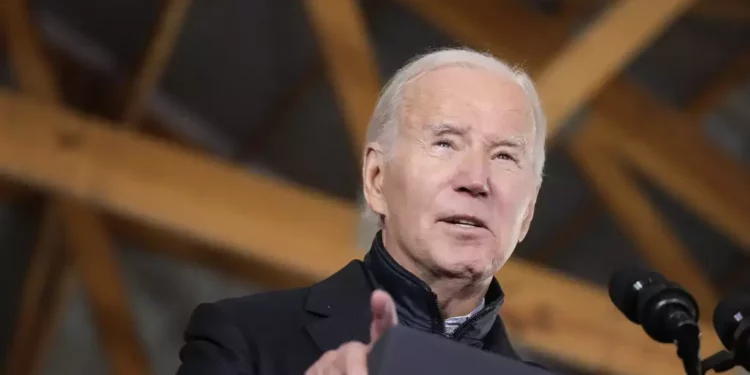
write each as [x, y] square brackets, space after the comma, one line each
[417, 304]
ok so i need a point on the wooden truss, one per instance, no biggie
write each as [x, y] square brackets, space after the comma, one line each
[102, 176]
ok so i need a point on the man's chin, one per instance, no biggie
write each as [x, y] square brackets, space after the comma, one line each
[465, 268]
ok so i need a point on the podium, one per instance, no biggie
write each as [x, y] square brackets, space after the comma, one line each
[403, 350]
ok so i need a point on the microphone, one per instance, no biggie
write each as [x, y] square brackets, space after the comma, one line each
[666, 311]
[732, 324]
[662, 307]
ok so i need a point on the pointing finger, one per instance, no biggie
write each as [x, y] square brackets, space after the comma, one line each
[383, 314]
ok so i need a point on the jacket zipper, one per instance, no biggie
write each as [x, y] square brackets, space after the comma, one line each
[468, 322]
[439, 321]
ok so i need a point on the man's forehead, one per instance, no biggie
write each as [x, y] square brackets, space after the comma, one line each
[446, 90]
[443, 79]
[463, 115]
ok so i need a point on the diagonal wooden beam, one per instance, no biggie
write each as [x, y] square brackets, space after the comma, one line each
[723, 10]
[155, 59]
[203, 254]
[102, 279]
[679, 158]
[267, 222]
[350, 61]
[42, 298]
[600, 52]
[533, 315]
[537, 318]
[568, 72]
[592, 150]
[37, 78]
[515, 29]
[504, 28]
[46, 281]
[27, 55]
[125, 173]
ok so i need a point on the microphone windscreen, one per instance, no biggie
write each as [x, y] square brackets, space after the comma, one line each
[726, 319]
[622, 290]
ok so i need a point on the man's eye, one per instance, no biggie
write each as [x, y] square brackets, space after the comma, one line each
[505, 156]
[447, 144]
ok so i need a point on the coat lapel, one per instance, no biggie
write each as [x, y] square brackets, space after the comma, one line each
[497, 340]
[342, 303]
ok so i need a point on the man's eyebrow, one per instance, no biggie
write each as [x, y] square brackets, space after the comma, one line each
[443, 128]
[513, 142]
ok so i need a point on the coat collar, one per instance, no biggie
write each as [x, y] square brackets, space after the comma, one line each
[343, 303]
[418, 305]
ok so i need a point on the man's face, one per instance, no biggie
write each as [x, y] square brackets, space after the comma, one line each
[459, 189]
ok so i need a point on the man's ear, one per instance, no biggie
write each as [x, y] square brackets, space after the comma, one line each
[526, 223]
[372, 178]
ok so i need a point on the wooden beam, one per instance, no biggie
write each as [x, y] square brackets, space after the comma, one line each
[202, 254]
[158, 128]
[504, 28]
[37, 79]
[581, 67]
[533, 316]
[45, 287]
[251, 218]
[571, 320]
[350, 61]
[118, 170]
[155, 59]
[715, 197]
[592, 150]
[102, 280]
[720, 10]
[32, 68]
[668, 147]
[43, 295]
[600, 52]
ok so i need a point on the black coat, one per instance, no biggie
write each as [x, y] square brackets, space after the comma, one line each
[286, 332]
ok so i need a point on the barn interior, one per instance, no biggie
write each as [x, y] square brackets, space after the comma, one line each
[155, 155]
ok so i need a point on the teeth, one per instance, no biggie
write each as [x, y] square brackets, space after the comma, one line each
[465, 222]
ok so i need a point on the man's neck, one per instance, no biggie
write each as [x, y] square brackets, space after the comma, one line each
[456, 296]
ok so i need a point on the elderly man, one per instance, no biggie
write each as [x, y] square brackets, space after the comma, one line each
[451, 171]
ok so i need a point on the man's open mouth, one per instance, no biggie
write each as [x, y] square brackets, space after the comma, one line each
[465, 221]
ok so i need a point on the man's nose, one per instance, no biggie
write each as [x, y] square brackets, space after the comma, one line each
[473, 176]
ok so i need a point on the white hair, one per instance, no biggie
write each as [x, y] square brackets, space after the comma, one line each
[384, 123]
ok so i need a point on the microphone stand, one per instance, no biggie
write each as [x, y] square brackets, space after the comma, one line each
[688, 343]
[726, 360]
[722, 361]
[688, 349]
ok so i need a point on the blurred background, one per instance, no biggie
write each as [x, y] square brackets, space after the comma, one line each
[156, 154]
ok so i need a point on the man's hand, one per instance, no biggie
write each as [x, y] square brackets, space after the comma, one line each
[351, 358]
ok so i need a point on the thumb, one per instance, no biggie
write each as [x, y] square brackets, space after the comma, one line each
[383, 314]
